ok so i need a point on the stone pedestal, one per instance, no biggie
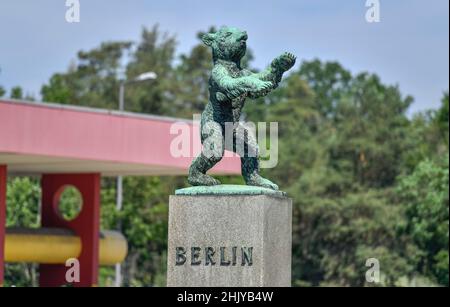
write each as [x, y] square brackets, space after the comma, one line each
[229, 236]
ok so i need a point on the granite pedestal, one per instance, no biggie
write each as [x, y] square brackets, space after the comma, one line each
[229, 236]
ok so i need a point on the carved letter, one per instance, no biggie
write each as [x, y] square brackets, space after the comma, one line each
[209, 256]
[247, 255]
[234, 255]
[195, 255]
[223, 260]
[180, 257]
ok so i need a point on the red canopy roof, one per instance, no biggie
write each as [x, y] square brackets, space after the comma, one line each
[38, 138]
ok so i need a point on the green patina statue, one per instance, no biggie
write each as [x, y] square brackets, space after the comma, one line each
[229, 86]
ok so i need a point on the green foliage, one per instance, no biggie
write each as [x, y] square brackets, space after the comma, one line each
[329, 81]
[57, 90]
[155, 52]
[335, 237]
[92, 81]
[442, 118]
[22, 197]
[428, 136]
[425, 194]
[348, 160]
[143, 221]
[16, 93]
[70, 203]
[192, 77]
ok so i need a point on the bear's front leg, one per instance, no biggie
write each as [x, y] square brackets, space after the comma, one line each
[283, 63]
[273, 73]
[234, 87]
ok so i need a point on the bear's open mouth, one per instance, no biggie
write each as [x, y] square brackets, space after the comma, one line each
[243, 39]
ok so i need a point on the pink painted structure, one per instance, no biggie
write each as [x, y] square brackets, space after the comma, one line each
[37, 138]
[75, 146]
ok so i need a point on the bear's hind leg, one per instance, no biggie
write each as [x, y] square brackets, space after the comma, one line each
[250, 172]
[212, 153]
[197, 172]
[250, 158]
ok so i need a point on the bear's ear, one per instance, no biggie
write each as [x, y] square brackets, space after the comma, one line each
[208, 39]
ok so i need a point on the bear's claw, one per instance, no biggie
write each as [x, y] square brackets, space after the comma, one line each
[202, 179]
[257, 180]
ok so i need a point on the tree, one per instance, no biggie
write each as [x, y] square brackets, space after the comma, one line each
[92, 81]
[339, 156]
[442, 119]
[336, 236]
[329, 81]
[16, 93]
[57, 90]
[155, 52]
[427, 137]
[372, 124]
[192, 76]
[144, 221]
[22, 197]
[425, 195]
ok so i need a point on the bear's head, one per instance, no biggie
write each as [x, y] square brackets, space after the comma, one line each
[228, 44]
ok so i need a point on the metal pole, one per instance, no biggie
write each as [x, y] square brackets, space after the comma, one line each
[122, 96]
[119, 191]
[119, 196]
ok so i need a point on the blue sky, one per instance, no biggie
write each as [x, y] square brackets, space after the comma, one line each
[409, 47]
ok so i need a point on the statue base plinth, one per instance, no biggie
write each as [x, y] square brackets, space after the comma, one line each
[239, 239]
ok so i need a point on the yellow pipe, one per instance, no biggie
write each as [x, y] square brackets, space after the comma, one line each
[55, 246]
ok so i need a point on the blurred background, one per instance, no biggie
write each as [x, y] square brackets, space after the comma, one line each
[363, 121]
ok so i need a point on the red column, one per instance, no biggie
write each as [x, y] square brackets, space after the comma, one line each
[85, 225]
[3, 176]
